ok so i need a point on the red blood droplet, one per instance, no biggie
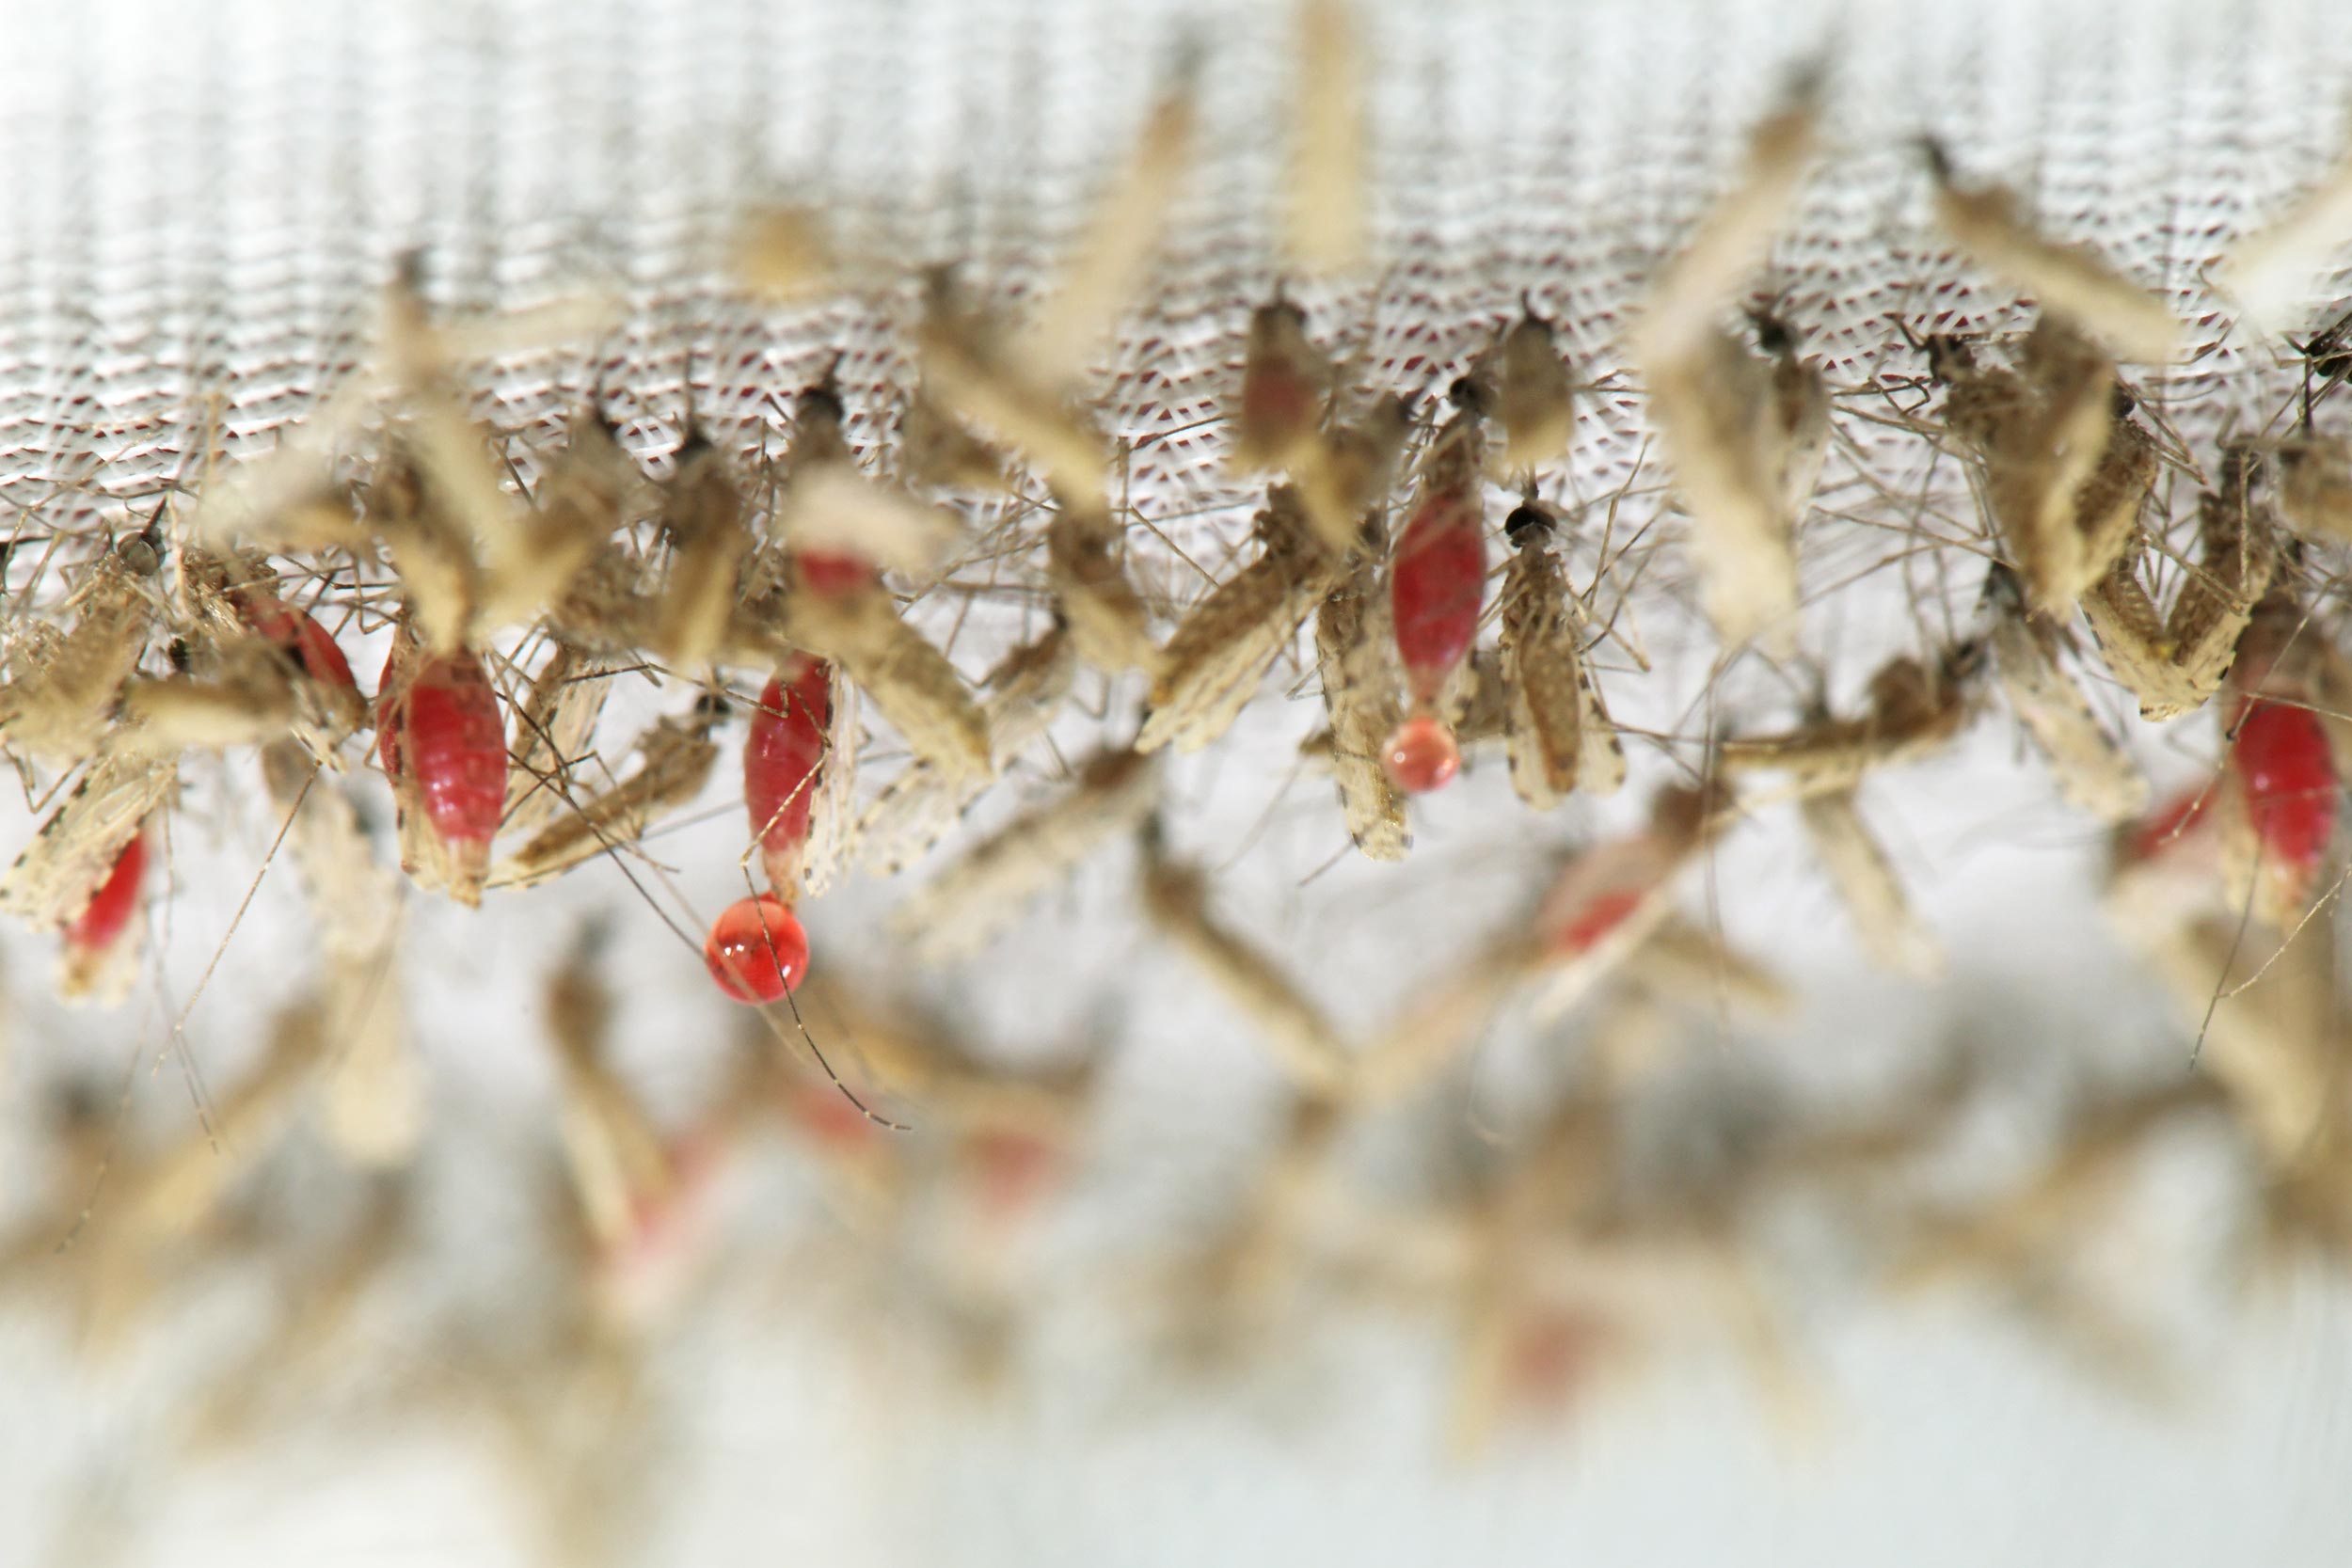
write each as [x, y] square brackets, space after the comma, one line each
[110, 909]
[440, 720]
[2283, 760]
[297, 633]
[831, 573]
[756, 949]
[1421, 756]
[783, 757]
[1436, 587]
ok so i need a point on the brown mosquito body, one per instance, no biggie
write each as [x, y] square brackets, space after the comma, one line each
[1211, 665]
[54, 705]
[674, 760]
[1915, 709]
[1549, 697]
[1353, 651]
[1176, 900]
[962, 908]
[1989, 222]
[76, 847]
[1534, 395]
[2066, 467]
[1108, 621]
[1023, 693]
[1868, 885]
[2094, 770]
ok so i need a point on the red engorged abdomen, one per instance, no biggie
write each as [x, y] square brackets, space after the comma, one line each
[1436, 587]
[1583, 929]
[297, 633]
[831, 573]
[2289, 776]
[784, 751]
[1278, 403]
[110, 909]
[445, 730]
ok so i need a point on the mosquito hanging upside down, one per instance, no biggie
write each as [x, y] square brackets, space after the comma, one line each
[757, 949]
[443, 746]
[1557, 730]
[1437, 589]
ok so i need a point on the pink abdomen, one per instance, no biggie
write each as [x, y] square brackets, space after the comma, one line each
[445, 734]
[785, 753]
[1436, 587]
[2289, 776]
[110, 909]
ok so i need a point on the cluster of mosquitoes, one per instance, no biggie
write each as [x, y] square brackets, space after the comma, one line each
[1382, 521]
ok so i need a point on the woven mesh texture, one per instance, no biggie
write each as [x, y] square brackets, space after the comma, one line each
[202, 203]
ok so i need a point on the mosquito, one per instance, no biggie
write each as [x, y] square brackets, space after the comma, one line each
[54, 706]
[2070, 282]
[916, 810]
[674, 761]
[1915, 709]
[2066, 467]
[703, 520]
[1534, 395]
[1869, 887]
[1737, 430]
[1553, 720]
[1212, 664]
[1326, 224]
[1176, 899]
[443, 746]
[640, 1199]
[958, 910]
[1354, 646]
[2095, 771]
[1437, 589]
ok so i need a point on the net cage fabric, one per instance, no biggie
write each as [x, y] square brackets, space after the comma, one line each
[203, 205]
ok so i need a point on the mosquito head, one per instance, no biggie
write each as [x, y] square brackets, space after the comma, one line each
[142, 553]
[1278, 315]
[1939, 162]
[1467, 395]
[821, 399]
[1529, 526]
[1949, 357]
[1772, 333]
[2003, 594]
